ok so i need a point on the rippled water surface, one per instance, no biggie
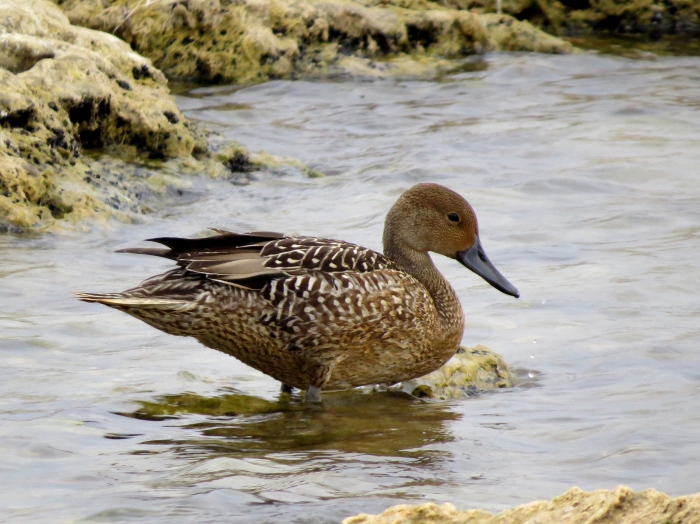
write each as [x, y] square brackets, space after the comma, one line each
[585, 174]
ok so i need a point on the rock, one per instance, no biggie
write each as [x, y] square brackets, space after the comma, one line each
[652, 17]
[471, 370]
[210, 41]
[64, 89]
[231, 404]
[617, 506]
[90, 78]
[510, 34]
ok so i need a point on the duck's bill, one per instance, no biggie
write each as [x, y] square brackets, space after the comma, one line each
[475, 259]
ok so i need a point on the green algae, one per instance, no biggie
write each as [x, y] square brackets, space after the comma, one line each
[228, 405]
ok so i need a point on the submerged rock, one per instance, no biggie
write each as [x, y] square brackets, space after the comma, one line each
[65, 89]
[212, 41]
[617, 506]
[228, 405]
[471, 370]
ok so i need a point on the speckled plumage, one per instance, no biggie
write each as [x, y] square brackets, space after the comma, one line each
[310, 312]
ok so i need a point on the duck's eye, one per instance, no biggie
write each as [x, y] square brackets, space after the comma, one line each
[454, 217]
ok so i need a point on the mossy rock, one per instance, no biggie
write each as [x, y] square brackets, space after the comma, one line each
[228, 405]
[467, 373]
[570, 17]
[65, 90]
[209, 41]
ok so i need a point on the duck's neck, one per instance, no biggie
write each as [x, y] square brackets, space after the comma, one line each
[421, 267]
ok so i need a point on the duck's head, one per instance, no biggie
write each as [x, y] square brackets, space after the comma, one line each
[430, 217]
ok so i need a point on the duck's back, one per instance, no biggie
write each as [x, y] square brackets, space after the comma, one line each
[307, 311]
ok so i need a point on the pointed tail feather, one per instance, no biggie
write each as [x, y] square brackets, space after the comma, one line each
[153, 251]
[118, 300]
[166, 314]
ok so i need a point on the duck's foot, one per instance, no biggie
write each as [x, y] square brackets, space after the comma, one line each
[284, 388]
[313, 394]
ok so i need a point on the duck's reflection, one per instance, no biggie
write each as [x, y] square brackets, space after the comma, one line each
[385, 424]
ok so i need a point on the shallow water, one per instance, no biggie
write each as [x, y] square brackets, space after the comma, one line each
[584, 173]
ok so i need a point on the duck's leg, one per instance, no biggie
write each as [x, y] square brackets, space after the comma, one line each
[319, 373]
[284, 388]
[313, 394]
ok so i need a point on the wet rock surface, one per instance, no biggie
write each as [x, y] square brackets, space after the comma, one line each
[212, 41]
[467, 373]
[652, 17]
[65, 90]
[617, 506]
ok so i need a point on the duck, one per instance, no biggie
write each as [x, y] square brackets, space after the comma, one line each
[316, 313]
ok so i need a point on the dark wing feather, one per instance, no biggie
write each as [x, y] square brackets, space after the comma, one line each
[252, 260]
[225, 241]
[229, 257]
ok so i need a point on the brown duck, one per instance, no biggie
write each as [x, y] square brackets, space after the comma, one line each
[316, 313]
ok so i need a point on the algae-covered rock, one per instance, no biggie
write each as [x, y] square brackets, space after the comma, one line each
[471, 370]
[617, 506]
[65, 89]
[90, 83]
[213, 41]
[510, 34]
[232, 404]
[653, 17]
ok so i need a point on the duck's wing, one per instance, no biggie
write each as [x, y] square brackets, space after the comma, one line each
[253, 260]
[303, 255]
[334, 291]
[316, 288]
[229, 257]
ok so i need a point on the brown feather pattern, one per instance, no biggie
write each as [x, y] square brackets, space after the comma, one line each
[293, 307]
[314, 312]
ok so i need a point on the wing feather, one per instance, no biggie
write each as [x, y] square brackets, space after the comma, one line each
[253, 260]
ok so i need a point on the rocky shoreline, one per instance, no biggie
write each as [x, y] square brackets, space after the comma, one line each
[616, 506]
[212, 42]
[65, 90]
[89, 129]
